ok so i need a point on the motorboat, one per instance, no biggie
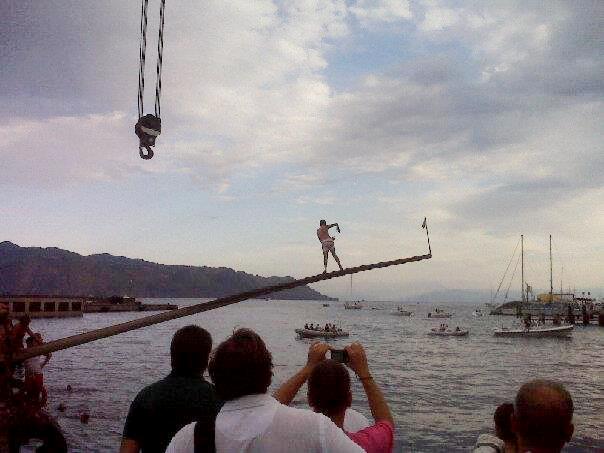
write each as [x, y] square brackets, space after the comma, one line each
[309, 333]
[477, 313]
[402, 312]
[448, 332]
[326, 305]
[439, 313]
[536, 332]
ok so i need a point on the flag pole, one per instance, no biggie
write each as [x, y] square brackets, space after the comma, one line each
[425, 225]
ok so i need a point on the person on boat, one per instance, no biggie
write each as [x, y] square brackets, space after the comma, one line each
[164, 407]
[527, 321]
[327, 243]
[457, 329]
[251, 420]
[543, 417]
[34, 377]
[306, 326]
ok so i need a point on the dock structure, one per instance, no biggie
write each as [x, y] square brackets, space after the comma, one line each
[43, 306]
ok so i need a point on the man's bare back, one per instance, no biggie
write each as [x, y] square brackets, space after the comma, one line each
[323, 233]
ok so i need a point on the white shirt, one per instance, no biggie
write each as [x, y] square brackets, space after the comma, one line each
[487, 443]
[259, 423]
[355, 421]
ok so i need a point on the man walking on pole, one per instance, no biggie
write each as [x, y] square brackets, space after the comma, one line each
[327, 242]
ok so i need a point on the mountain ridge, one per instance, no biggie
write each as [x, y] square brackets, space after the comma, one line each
[52, 270]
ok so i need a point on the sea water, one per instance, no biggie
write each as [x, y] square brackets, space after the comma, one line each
[442, 391]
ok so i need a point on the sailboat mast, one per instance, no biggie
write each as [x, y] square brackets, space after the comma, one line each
[522, 268]
[551, 273]
[561, 276]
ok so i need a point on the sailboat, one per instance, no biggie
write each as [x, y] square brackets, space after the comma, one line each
[548, 304]
[352, 305]
[542, 307]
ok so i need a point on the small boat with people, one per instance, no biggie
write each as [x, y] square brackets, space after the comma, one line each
[477, 313]
[444, 331]
[439, 313]
[535, 332]
[321, 333]
[402, 312]
[353, 305]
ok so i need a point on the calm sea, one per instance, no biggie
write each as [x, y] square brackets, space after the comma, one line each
[442, 391]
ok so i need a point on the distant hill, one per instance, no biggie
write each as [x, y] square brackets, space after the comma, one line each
[478, 296]
[35, 270]
[444, 296]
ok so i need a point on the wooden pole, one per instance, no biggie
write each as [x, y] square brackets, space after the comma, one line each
[97, 334]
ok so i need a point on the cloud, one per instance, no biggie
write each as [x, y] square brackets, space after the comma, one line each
[374, 12]
[484, 116]
[242, 83]
[66, 151]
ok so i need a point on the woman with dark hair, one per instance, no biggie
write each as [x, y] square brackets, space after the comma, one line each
[505, 440]
[251, 419]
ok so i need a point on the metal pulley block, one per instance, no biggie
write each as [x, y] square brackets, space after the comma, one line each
[147, 129]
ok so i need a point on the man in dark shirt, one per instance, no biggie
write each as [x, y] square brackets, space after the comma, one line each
[162, 408]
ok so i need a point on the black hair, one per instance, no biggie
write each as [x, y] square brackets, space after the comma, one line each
[189, 350]
[322, 222]
[329, 388]
[503, 421]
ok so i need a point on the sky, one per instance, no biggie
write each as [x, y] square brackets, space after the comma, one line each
[484, 117]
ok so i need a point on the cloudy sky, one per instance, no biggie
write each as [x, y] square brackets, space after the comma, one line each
[486, 117]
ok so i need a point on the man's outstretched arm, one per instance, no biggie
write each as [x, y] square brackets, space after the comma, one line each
[357, 361]
[289, 389]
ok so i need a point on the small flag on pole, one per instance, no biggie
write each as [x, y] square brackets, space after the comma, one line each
[424, 224]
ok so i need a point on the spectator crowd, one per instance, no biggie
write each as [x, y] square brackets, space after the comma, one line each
[185, 413]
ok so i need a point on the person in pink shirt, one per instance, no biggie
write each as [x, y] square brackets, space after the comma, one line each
[329, 393]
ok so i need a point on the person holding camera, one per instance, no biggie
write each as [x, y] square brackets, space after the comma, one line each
[251, 420]
[329, 393]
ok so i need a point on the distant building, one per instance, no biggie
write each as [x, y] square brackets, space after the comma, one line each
[37, 306]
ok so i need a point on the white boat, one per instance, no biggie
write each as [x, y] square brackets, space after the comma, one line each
[402, 312]
[536, 332]
[449, 332]
[438, 313]
[477, 313]
[308, 333]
